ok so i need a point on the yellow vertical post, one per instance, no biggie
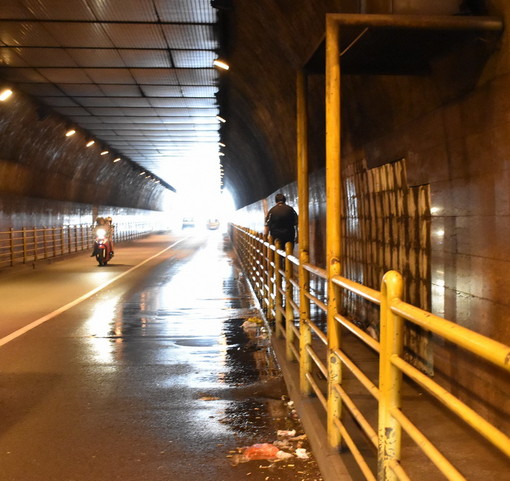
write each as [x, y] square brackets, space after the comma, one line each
[305, 333]
[333, 212]
[390, 378]
[35, 244]
[24, 240]
[270, 280]
[11, 245]
[260, 267]
[278, 291]
[289, 311]
[45, 243]
[263, 273]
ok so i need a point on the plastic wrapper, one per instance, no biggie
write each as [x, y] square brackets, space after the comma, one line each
[260, 451]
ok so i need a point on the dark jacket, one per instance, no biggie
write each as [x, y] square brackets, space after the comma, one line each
[282, 221]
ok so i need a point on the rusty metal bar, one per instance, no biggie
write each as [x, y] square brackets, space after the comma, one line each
[425, 22]
[333, 228]
[390, 378]
[305, 338]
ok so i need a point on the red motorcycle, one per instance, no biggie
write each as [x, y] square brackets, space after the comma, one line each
[102, 246]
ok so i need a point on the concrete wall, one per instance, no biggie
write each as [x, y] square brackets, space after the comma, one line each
[47, 178]
[453, 129]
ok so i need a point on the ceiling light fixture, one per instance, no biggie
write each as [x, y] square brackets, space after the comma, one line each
[221, 144]
[142, 173]
[116, 160]
[104, 152]
[5, 94]
[70, 132]
[90, 142]
[221, 64]
[221, 119]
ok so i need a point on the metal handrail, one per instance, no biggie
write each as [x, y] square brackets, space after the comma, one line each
[33, 244]
[392, 366]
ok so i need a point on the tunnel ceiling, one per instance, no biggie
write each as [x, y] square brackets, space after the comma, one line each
[137, 75]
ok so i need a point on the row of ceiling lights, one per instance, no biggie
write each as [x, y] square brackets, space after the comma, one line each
[224, 66]
[91, 142]
[6, 93]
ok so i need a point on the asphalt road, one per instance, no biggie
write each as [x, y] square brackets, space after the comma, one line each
[140, 370]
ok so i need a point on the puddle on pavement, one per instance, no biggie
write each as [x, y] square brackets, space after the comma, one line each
[199, 326]
[260, 408]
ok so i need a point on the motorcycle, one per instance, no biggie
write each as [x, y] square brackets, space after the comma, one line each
[102, 246]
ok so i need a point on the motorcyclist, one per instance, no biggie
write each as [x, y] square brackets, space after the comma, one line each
[106, 224]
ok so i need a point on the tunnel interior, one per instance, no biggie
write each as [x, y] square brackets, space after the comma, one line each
[428, 110]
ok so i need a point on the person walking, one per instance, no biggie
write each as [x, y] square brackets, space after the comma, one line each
[281, 222]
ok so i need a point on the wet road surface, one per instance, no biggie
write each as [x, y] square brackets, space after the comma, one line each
[155, 377]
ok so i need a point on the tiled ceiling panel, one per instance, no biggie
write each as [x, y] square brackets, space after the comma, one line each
[10, 58]
[109, 75]
[41, 90]
[124, 10]
[196, 76]
[59, 9]
[193, 58]
[185, 11]
[135, 35]
[71, 111]
[143, 58]
[95, 101]
[25, 34]
[95, 57]
[59, 102]
[155, 76]
[22, 75]
[79, 35]
[201, 91]
[64, 75]
[158, 93]
[81, 90]
[117, 90]
[13, 9]
[137, 73]
[46, 57]
[199, 37]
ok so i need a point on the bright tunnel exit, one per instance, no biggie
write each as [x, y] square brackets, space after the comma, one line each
[200, 203]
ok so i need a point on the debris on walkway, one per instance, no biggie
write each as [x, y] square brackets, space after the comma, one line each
[261, 451]
[271, 442]
[252, 322]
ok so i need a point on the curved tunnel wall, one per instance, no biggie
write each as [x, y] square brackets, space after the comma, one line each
[267, 43]
[47, 178]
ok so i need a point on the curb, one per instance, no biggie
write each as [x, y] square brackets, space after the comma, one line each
[308, 408]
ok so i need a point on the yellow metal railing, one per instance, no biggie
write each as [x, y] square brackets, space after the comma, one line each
[25, 245]
[271, 272]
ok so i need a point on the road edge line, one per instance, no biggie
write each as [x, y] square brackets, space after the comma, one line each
[69, 305]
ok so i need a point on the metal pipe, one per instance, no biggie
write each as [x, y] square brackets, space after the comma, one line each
[305, 337]
[390, 378]
[425, 22]
[333, 207]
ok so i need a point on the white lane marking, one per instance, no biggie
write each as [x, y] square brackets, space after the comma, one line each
[80, 299]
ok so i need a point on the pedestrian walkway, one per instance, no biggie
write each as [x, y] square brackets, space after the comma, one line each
[155, 377]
